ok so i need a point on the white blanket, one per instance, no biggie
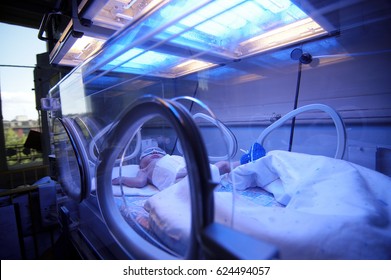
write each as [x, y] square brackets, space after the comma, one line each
[334, 209]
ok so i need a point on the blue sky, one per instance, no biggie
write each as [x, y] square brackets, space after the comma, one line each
[19, 46]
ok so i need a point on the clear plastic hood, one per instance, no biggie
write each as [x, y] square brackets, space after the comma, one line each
[299, 134]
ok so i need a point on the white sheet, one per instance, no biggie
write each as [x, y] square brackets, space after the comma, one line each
[128, 171]
[169, 213]
[334, 209]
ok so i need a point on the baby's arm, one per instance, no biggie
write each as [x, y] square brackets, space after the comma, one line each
[134, 182]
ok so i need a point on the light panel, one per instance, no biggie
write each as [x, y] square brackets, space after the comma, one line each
[292, 33]
[218, 29]
[143, 62]
[81, 49]
[230, 28]
[116, 14]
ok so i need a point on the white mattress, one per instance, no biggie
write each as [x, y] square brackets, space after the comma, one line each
[334, 209]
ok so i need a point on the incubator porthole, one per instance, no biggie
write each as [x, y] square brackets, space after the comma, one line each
[72, 161]
[136, 195]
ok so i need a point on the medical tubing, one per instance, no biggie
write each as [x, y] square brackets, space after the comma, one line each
[191, 107]
[232, 143]
[230, 137]
[123, 158]
[195, 100]
[338, 122]
[93, 143]
[78, 119]
[103, 132]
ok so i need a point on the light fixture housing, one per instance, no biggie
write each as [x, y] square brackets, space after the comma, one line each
[175, 38]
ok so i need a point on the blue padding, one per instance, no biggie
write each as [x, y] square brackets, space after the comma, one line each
[256, 151]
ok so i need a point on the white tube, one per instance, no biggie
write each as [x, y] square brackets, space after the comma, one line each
[338, 122]
[226, 132]
[101, 133]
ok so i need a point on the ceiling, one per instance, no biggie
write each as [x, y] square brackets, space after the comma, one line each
[27, 13]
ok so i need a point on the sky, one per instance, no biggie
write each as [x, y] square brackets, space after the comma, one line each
[19, 46]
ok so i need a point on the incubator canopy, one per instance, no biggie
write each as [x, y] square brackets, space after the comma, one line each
[221, 29]
[240, 165]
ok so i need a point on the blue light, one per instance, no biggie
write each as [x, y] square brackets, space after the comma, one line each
[274, 6]
[222, 25]
[139, 61]
[215, 29]
[148, 60]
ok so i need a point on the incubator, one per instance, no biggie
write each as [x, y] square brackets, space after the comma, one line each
[243, 129]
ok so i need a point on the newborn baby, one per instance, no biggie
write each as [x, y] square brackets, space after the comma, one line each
[161, 170]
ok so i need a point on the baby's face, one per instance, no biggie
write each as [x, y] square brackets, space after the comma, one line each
[145, 161]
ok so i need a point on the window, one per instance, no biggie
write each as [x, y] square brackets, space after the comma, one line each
[18, 109]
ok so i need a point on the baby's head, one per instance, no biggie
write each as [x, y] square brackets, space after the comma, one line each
[149, 154]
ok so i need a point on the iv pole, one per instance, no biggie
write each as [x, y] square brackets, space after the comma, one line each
[303, 58]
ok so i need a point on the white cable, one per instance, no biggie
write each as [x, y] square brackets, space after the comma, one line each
[227, 133]
[338, 122]
[232, 145]
[101, 133]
